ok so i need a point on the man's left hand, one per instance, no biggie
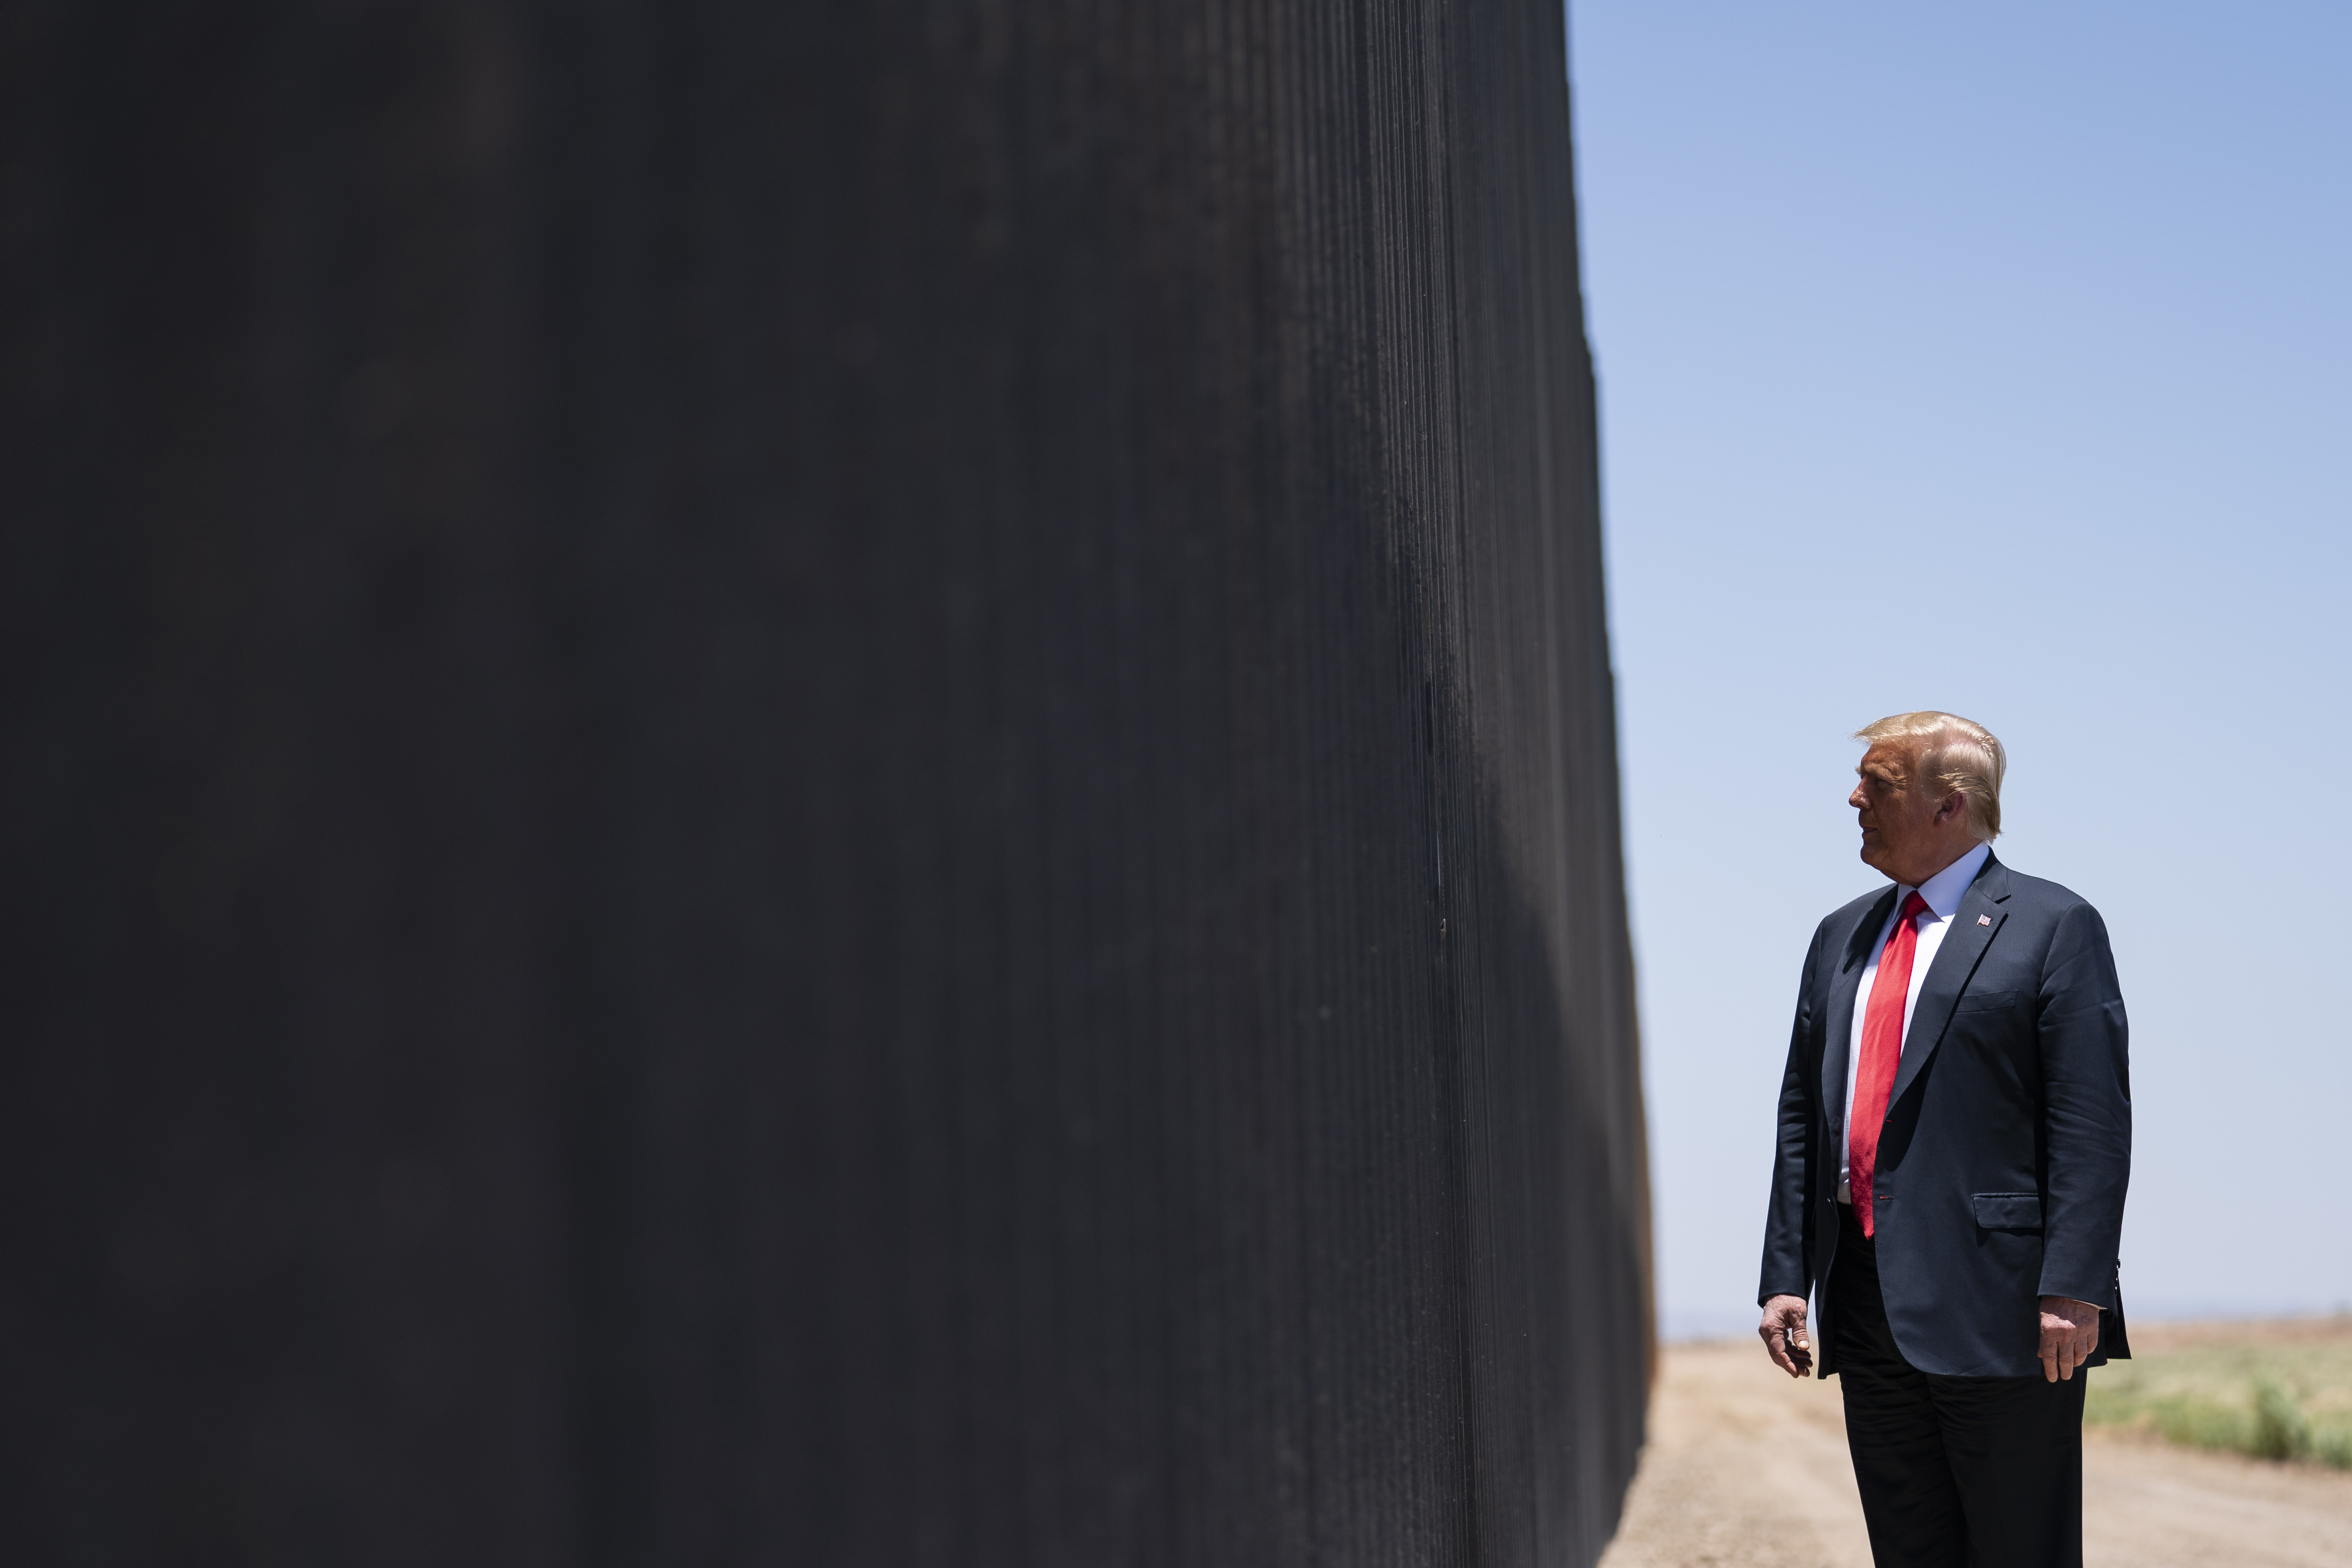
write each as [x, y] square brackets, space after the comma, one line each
[2070, 1332]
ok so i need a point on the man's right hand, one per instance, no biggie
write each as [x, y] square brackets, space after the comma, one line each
[1783, 1332]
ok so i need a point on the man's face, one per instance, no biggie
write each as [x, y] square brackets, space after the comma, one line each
[1900, 832]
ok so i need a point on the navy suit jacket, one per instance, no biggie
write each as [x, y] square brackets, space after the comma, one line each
[2006, 1143]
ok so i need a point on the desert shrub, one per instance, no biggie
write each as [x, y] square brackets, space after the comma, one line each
[2332, 1444]
[2279, 1430]
[2278, 1401]
[2115, 1397]
[2198, 1423]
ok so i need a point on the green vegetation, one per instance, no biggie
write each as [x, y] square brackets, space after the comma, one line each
[2271, 1397]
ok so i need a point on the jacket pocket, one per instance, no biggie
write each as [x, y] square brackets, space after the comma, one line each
[1986, 1002]
[2008, 1211]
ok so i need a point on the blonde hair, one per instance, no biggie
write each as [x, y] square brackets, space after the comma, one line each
[1955, 752]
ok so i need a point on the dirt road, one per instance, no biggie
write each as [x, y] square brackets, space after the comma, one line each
[1747, 1470]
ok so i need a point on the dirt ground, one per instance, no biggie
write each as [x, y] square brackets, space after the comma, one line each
[1748, 1469]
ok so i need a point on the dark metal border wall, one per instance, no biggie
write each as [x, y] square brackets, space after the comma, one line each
[822, 785]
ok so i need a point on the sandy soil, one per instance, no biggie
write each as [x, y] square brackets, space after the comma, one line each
[1748, 1469]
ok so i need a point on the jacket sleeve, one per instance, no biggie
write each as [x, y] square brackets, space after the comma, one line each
[2086, 1111]
[1788, 1238]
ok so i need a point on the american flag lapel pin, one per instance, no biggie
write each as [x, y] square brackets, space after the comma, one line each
[1984, 920]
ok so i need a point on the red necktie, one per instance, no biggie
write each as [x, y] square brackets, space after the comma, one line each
[1882, 1053]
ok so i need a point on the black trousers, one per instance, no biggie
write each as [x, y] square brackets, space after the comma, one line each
[1956, 1472]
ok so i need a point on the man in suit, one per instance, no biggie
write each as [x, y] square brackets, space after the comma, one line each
[1955, 1138]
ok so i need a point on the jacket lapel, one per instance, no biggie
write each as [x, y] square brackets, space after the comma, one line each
[1955, 965]
[1838, 1014]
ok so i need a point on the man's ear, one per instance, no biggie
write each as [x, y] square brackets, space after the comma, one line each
[1955, 804]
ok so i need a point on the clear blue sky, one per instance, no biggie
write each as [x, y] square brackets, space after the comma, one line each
[1995, 358]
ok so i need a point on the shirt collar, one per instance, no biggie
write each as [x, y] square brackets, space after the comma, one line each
[1943, 890]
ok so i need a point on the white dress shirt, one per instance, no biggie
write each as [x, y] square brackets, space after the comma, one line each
[1942, 891]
